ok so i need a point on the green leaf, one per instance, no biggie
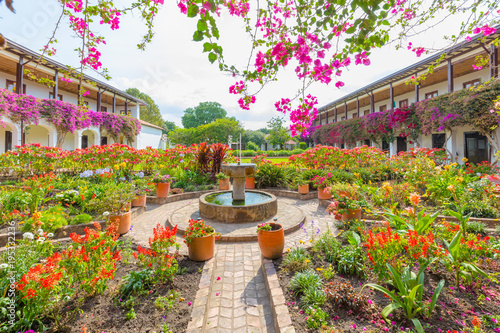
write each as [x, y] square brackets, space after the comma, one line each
[212, 57]
[435, 296]
[202, 25]
[350, 30]
[389, 308]
[385, 22]
[193, 10]
[198, 36]
[207, 47]
[418, 326]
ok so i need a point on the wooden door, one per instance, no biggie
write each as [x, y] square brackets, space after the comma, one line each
[402, 146]
[476, 147]
[85, 141]
[8, 140]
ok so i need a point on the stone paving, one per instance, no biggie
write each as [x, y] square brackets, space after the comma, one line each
[232, 295]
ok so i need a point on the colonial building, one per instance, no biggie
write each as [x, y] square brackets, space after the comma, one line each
[455, 72]
[15, 59]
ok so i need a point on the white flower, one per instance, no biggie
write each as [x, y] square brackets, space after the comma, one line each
[50, 235]
[105, 213]
[40, 240]
[40, 231]
[4, 266]
[28, 235]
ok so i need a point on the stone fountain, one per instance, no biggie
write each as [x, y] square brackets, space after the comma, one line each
[238, 206]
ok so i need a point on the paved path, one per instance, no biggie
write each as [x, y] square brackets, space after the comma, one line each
[232, 295]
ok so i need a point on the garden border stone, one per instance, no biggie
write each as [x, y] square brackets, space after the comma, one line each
[282, 319]
[201, 301]
[65, 231]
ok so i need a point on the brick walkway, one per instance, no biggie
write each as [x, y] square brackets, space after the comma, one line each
[232, 295]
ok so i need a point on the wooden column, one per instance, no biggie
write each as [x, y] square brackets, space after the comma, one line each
[99, 100]
[320, 119]
[417, 89]
[114, 103]
[450, 77]
[79, 94]
[335, 116]
[357, 105]
[55, 89]
[126, 107]
[372, 103]
[345, 110]
[326, 117]
[494, 62]
[19, 90]
[391, 91]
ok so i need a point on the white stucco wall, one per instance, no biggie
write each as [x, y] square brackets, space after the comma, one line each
[149, 137]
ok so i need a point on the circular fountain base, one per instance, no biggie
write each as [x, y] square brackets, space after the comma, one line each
[235, 213]
[289, 216]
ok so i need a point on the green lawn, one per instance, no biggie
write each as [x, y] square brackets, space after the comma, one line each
[275, 160]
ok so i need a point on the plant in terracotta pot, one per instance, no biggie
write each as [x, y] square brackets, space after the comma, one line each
[345, 189]
[345, 208]
[302, 184]
[200, 239]
[162, 184]
[271, 237]
[141, 188]
[322, 183]
[223, 181]
[115, 205]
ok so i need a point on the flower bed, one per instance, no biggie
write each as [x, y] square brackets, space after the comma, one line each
[347, 280]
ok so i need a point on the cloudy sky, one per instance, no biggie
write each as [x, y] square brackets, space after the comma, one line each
[174, 71]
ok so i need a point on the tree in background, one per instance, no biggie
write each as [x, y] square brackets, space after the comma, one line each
[169, 126]
[256, 137]
[264, 130]
[203, 114]
[151, 112]
[278, 134]
[215, 132]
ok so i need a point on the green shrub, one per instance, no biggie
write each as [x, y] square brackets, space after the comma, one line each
[271, 175]
[81, 219]
[190, 188]
[50, 219]
[252, 146]
[316, 317]
[297, 151]
[303, 145]
[476, 227]
[351, 260]
[328, 246]
[304, 280]
[296, 260]
[313, 297]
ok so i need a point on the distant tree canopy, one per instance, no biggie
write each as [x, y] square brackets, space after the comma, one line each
[169, 126]
[150, 113]
[214, 132]
[257, 137]
[264, 130]
[278, 134]
[203, 114]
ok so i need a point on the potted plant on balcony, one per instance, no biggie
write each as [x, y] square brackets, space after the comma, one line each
[162, 185]
[140, 186]
[271, 237]
[345, 208]
[322, 183]
[200, 239]
[115, 205]
[302, 184]
[223, 181]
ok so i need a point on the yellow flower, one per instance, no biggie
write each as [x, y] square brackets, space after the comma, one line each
[123, 164]
[308, 261]
[117, 167]
[464, 159]
[319, 269]
[460, 179]
[451, 188]
[301, 241]
[181, 299]
[288, 250]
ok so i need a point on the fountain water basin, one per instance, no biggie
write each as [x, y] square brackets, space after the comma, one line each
[221, 207]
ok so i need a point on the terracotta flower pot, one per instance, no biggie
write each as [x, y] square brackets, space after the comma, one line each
[162, 190]
[344, 194]
[354, 214]
[304, 189]
[139, 201]
[272, 242]
[224, 184]
[124, 223]
[250, 182]
[202, 248]
[324, 194]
